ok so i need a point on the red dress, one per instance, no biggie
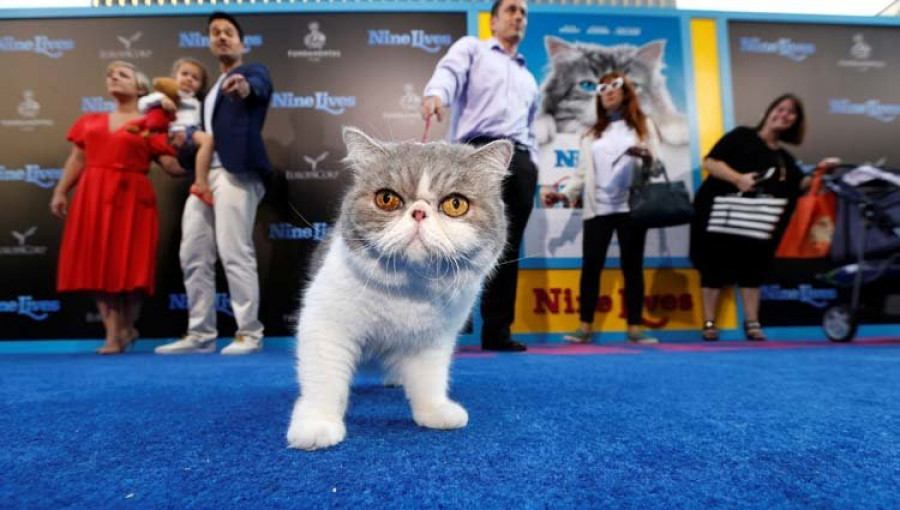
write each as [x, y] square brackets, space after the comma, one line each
[110, 237]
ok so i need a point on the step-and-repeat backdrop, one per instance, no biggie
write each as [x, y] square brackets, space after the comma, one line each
[368, 70]
[846, 76]
[329, 70]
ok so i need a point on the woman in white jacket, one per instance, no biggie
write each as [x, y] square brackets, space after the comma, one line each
[619, 140]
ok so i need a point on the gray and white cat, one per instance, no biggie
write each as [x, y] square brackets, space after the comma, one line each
[420, 229]
[568, 100]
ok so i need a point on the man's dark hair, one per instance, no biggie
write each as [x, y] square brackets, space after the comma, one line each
[495, 9]
[227, 17]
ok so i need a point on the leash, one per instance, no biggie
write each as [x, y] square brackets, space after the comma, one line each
[427, 127]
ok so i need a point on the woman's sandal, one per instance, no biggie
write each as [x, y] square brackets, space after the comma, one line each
[710, 331]
[754, 332]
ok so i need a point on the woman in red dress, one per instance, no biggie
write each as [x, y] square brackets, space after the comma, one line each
[109, 242]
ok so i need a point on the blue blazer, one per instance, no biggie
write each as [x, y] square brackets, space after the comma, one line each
[237, 123]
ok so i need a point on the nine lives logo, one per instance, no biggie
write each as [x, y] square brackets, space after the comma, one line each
[40, 44]
[22, 247]
[129, 50]
[860, 56]
[558, 300]
[320, 100]
[179, 302]
[314, 172]
[97, 104]
[418, 39]
[197, 39]
[289, 232]
[804, 293]
[29, 110]
[410, 105]
[32, 174]
[872, 108]
[315, 50]
[35, 309]
[783, 47]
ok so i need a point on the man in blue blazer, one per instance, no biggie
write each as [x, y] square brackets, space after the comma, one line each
[234, 112]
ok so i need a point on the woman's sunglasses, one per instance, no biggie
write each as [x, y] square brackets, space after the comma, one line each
[599, 88]
[613, 85]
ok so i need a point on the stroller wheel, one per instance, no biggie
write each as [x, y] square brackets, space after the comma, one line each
[839, 323]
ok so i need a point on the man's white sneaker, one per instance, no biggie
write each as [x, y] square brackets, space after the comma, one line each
[187, 345]
[243, 345]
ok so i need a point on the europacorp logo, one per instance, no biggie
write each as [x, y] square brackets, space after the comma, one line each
[40, 44]
[129, 49]
[320, 100]
[197, 39]
[223, 303]
[419, 39]
[34, 309]
[316, 171]
[32, 174]
[23, 247]
[783, 47]
[97, 104]
[286, 231]
[872, 108]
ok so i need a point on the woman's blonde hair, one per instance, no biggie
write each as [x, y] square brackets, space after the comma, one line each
[143, 83]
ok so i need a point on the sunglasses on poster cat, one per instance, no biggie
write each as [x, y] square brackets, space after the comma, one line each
[600, 88]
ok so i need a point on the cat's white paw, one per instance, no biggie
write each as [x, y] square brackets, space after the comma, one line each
[544, 129]
[449, 415]
[315, 433]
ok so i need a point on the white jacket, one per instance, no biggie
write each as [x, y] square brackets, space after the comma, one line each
[603, 176]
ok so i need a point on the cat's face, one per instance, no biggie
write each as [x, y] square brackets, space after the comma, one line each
[570, 91]
[425, 204]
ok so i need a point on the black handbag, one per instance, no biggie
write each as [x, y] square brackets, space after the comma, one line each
[658, 204]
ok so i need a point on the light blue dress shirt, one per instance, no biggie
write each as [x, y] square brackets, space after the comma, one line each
[491, 92]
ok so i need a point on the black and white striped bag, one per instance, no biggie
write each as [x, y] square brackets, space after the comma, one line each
[754, 217]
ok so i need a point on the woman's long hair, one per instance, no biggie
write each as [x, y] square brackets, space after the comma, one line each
[631, 109]
[795, 134]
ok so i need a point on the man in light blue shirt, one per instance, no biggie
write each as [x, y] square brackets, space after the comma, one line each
[495, 96]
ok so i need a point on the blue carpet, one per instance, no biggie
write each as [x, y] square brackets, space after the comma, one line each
[804, 426]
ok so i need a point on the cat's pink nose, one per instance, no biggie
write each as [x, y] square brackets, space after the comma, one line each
[418, 214]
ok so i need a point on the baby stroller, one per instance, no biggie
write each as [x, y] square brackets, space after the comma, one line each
[866, 244]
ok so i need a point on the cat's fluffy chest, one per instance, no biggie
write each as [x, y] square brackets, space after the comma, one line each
[386, 307]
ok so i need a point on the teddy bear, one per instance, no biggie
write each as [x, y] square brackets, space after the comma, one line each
[157, 119]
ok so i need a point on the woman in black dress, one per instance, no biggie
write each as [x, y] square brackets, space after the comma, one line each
[735, 245]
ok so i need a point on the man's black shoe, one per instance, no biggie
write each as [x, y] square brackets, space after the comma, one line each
[505, 345]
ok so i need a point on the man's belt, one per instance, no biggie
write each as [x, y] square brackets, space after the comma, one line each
[484, 140]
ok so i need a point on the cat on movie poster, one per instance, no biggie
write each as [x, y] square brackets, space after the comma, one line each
[568, 54]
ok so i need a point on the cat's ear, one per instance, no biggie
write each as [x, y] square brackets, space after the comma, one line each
[362, 150]
[556, 47]
[492, 159]
[651, 53]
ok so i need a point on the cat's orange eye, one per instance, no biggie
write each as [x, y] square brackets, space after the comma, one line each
[455, 206]
[387, 200]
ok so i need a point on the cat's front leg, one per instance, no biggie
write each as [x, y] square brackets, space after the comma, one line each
[425, 376]
[326, 363]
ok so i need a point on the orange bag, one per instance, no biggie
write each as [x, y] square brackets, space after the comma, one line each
[811, 229]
